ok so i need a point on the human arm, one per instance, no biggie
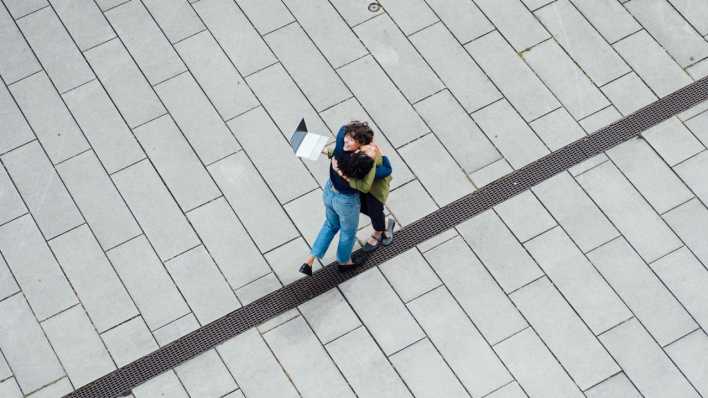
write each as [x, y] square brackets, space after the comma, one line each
[364, 184]
[384, 169]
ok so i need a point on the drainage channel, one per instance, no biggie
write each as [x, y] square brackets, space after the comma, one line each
[123, 380]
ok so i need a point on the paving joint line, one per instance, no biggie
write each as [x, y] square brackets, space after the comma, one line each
[288, 297]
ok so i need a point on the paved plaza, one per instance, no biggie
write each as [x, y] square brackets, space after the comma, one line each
[147, 188]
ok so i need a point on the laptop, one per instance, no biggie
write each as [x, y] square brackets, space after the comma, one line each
[307, 145]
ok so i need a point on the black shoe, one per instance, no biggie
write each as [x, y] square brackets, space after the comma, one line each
[368, 247]
[306, 269]
[357, 261]
[387, 237]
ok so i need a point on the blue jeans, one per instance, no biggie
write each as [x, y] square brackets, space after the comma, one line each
[341, 214]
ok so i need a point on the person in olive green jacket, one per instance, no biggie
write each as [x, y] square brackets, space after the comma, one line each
[374, 194]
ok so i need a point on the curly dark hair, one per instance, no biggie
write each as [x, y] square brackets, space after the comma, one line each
[356, 166]
[360, 132]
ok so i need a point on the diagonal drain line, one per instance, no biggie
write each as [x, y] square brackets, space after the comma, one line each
[124, 379]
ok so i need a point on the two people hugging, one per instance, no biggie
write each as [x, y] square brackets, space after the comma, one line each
[359, 180]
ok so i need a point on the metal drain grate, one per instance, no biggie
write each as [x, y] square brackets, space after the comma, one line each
[126, 378]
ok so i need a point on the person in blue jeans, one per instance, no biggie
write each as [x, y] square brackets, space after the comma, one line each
[342, 203]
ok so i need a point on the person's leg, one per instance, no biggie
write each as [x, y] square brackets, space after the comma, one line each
[327, 231]
[375, 211]
[347, 208]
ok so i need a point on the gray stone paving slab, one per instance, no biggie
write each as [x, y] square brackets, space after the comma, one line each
[124, 82]
[10, 389]
[658, 310]
[148, 282]
[436, 169]
[629, 212]
[75, 340]
[582, 42]
[515, 22]
[98, 199]
[534, 367]
[310, 368]
[330, 316]
[17, 131]
[377, 94]
[510, 134]
[463, 18]
[693, 173]
[499, 251]
[579, 282]
[155, 209]
[260, 288]
[235, 394]
[349, 110]
[327, 30]
[272, 155]
[257, 208]
[17, 59]
[651, 62]
[686, 277]
[511, 390]
[93, 278]
[575, 211]
[557, 129]
[103, 126]
[56, 51]
[129, 341]
[28, 255]
[459, 342]
[206, 366]
[455, 67]
[649, 174]
[615, 387]
[20, 333]
[307, 66]
[354, 12]
[672, 31]
[525, 216]
[284, 101]
[629, 93]
[202, 285]
[386, 317]
[604, 117]
[365, 367]
[197, 118]
[491, 172]
[228, 243]
[108, 4]
[609, 17]
[57, 389]
[176, 20]
[5, 371]
[261, 376]
[649, 368]
[235, 34]
[512, 76]
[50, 120]
[565, 333]
[20, 8]
[426, 373]
[11, 204]
[475, 290]
[266, 15]
[457, 132]
[698, 70]
[176, 163]
[411, 15]
[690, 222]
[164, 385]
[410, 275]
[216, 75]
[696, 12]
[281, 260]
[565, 79]
[8, 287]
[699, 127]
[84, 21]
[398, 58]
[145, 41]
[689, 355]
[410, 202]
[673, 141]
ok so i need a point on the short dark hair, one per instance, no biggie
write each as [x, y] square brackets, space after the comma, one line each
[360, 132]
[356, 166]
